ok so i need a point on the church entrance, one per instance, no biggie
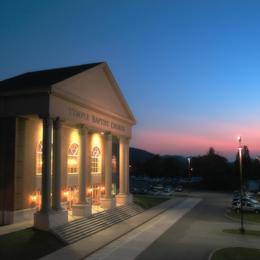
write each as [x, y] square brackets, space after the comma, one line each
[96, 194]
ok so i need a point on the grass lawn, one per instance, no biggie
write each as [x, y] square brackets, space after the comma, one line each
[247, 232]
[251, 217]
[28, 244]
[237, 253]
[147, 202]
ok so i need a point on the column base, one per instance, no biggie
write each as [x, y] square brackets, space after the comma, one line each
[123, 199]
[81, 210]
[52, 219]
[107, 203]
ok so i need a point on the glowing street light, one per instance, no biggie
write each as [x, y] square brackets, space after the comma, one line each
[242, 230]
[189, 168]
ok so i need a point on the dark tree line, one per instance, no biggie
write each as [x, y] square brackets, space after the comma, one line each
[217, 172]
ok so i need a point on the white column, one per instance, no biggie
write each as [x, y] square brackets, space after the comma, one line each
[108, 165]
[46, 165]
[124, 196]
[107, 202]
[82, 208]
[56, 180]
[46, 218]
[122, 166]
[83, 165]
[127, 167]
[61, 215]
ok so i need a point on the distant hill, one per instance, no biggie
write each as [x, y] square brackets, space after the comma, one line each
[139, 155]
[176, 157]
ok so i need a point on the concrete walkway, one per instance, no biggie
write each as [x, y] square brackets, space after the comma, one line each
[15, 227]
[89, 245]
[133, 243]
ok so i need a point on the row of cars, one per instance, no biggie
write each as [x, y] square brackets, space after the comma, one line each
[160, 190]
[157, 190]
[248, 201]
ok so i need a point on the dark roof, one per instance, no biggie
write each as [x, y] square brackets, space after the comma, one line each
[43, 78]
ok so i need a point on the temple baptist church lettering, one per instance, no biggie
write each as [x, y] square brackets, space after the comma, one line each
[95, 119]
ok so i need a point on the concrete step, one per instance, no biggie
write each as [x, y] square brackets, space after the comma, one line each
[81, 228]
[95, 219]
[102, 221]
[88, 226]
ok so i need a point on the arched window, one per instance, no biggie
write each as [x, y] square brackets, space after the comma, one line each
[73, 159]
[39, 159]
[96, 161]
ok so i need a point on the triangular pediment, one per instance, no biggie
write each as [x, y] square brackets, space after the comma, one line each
[98, 89]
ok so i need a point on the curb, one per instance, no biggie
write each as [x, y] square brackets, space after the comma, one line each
[212, 253]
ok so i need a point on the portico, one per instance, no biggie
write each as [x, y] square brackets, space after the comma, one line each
[72, 128]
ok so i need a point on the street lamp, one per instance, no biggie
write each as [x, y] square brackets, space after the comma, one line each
[189, 168]
[242, 230]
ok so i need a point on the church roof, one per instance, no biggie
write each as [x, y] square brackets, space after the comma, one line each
[43, 78]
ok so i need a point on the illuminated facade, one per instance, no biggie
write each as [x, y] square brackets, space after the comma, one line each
[64, 144]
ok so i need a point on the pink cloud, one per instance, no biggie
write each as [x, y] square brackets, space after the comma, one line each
[221, 136]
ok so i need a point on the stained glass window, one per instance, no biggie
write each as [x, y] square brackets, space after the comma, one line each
[73, 159]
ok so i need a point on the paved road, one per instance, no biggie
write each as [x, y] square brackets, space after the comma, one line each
[132, 244]
[198, 233]
[190, 230]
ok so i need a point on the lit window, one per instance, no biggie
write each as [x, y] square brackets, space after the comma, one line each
[73, 159]
[96, 161]
[39, 159]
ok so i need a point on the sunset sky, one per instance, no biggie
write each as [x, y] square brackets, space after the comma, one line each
[190, 69]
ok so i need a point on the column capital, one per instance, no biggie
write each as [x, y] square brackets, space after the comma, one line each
[108, 136]
[47, 121]
[124, 140]
[83, 130]
[57, 123]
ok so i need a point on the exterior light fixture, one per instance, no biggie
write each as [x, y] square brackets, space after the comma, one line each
[242, 229]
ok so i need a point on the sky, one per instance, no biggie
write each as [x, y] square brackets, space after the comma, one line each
[189, 69]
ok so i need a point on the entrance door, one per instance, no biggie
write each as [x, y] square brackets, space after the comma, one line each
[96, 194]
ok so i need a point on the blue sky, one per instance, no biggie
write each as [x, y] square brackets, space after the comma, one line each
[189, 69]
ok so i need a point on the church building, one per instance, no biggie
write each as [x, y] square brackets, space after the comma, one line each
[64, 145]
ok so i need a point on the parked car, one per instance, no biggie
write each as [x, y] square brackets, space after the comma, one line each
[167, 192]
[250, 207]
[179, 188]
[246, 199]
[154, 192]
[235, 205]
[158, 187]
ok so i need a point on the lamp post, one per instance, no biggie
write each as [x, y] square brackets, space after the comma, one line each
[242, 230]
[189, 169]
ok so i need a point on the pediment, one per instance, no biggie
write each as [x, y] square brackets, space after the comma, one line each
[96, 88]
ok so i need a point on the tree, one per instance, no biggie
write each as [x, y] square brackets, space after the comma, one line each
[153, 166]
[215, 170]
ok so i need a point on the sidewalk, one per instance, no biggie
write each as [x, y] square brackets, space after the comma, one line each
[89, 245]
[132, 244]
[15, 227]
